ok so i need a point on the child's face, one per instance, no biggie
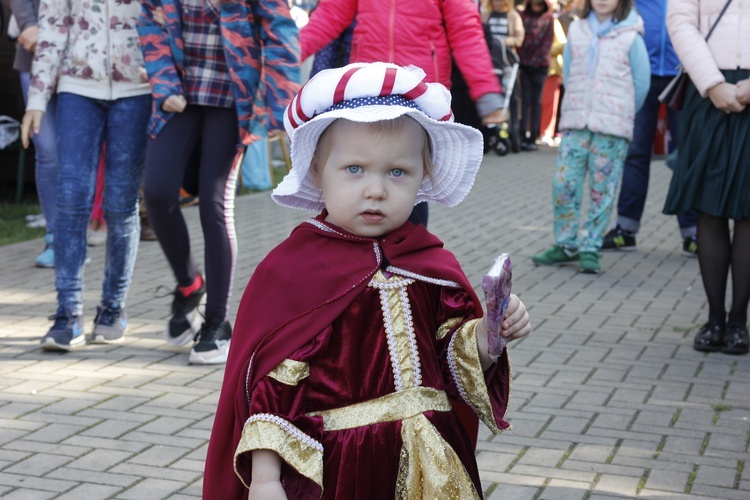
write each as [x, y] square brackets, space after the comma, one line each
[370, 179]
[500, 5]
[604, 9]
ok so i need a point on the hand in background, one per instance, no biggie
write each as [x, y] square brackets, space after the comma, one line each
[496, 117]
[29, 37]
[30, 124]
[158, 16]
[743, 92]
[174, 104]
[724, 97]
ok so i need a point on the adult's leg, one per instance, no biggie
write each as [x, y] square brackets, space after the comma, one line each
[550, 97]
[637, 168]
[567, 186]
[123, 172]
[80, 128]
[167, 158]
[605, 163]
[514, 127]
[740, 272]
[218, 180]
[538, 78]
[526, 98]
[45, 145]
[714, 255]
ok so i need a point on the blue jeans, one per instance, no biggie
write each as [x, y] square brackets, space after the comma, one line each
[83, 126]
[45, 145]
[636, 172]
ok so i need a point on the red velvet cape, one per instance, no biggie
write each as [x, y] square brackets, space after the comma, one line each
[295, 292]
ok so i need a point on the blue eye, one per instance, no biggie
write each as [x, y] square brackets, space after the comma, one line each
[397, 172]
[354, 169]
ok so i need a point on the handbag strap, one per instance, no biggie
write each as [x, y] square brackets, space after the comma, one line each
[726, 6]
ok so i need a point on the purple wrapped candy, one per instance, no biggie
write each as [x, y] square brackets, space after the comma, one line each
[496, 285]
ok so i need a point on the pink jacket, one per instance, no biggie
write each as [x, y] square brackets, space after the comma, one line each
[688, 23]
[423, 33]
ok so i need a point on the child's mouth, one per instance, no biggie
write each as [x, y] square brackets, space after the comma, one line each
[372, 216]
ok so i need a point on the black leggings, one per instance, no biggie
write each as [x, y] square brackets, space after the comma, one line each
[532, 84]
[167, 160]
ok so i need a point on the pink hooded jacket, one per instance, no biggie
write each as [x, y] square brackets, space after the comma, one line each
[688, 23]
[405, 32]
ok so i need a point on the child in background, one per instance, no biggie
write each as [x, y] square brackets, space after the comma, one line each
[504, 23]
[354, 333]
[606, 75]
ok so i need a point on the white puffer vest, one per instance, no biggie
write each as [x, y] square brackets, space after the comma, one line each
[606, 103]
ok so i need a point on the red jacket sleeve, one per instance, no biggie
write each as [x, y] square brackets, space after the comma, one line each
[469, 48]
[328, 21]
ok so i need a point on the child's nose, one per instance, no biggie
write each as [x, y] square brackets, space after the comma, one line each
[375, 188]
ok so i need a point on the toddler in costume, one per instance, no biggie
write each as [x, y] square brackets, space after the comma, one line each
[606, 72]
[356, 332]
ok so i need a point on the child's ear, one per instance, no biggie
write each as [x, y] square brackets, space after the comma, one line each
[315, 173]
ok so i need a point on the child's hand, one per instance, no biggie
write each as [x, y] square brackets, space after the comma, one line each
[266, 490]
[516, 323]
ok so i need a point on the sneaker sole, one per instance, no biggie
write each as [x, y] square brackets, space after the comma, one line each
[50, 344]
[620, 249]
[590, 271]
[101, 339]
[43, 266]
[214, 357]
[689, 254]
[560, 263]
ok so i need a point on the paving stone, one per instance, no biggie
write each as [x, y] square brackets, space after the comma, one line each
[37, 465]
[29, 494]
[669, 480]
[90, 492]
[561, 489]
[152, 488]
[715, 476]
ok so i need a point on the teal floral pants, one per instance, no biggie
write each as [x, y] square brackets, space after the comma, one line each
[602, 157]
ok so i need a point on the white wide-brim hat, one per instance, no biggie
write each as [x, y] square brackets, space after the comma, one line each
[373, 92]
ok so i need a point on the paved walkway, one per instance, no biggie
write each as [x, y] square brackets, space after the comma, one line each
[609, 399]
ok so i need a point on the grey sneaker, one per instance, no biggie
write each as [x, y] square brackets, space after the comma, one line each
[66, 333]
[211, 343]
[109, 325]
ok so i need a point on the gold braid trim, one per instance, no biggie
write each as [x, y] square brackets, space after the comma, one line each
[446, 327]
[271, 432]
[466, 369]
[390, 408]
[290, 372]
[428, 467]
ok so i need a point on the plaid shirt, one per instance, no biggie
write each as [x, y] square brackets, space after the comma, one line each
[206, 78]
